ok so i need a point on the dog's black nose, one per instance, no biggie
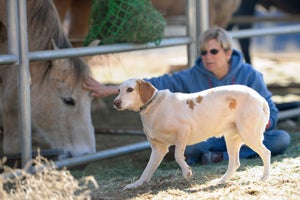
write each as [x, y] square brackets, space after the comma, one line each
[117, 103]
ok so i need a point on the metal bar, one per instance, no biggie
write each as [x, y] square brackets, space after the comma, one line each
[103, 154]
[12, 31]
[8, 59]
[113, 48]
[256, 19]
[24, 87]
[266, 31]
[112, 131]
[192, 31]
[289, 114]
[203, 7]
[72, 162]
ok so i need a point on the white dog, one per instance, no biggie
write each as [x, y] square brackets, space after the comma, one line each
[237, 112]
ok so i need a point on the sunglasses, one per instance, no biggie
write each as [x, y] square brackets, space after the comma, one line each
[212, 51]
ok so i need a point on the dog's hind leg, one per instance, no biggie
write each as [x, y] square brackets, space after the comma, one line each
[258, 146]
[159, 150]
[252, 136]
[233, 144]
[252, 132]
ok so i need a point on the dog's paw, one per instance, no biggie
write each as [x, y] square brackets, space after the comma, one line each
[133, 185]
[219, 181]
[188, 174]
[265, 177]
[129, 186]
[216, 182]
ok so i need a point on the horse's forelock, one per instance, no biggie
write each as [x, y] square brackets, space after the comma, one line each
[44, 23]
[81, 69]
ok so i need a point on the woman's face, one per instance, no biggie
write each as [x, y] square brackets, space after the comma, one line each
[215, 58]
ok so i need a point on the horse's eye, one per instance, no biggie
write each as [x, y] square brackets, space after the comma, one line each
[129, 89]
[69, 101]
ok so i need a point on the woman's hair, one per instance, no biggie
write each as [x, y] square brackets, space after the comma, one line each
[222, 37]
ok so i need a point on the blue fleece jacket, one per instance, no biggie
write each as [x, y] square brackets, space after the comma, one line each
[198, 78]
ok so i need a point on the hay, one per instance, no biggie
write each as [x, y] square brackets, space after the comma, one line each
[46, 183]
[117, 21]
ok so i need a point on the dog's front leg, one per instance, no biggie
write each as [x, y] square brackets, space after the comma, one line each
[159, 150]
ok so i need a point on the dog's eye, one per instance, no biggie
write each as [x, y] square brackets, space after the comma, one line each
[129, 89]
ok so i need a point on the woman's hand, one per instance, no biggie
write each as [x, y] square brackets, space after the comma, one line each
[98, 89]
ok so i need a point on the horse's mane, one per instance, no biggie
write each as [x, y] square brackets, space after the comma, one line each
[43, 26]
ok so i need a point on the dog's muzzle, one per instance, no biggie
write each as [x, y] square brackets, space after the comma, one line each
[117, 103]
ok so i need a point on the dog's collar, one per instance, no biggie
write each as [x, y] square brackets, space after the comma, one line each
[150, 101]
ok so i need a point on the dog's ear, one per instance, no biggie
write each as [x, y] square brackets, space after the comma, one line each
[146, 90]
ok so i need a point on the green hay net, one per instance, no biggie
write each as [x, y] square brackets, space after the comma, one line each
[117, 21]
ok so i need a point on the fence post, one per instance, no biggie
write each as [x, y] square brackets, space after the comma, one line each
[18, 45]
[191, 31]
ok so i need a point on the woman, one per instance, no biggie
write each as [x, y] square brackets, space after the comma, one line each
[217, 65]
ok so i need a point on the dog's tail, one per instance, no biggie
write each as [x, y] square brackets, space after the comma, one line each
[266, 111]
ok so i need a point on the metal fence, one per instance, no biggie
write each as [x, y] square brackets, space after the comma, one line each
[18, 54]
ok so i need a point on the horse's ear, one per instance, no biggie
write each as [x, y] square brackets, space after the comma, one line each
[56, 62]
[53, 45]
[94, 43]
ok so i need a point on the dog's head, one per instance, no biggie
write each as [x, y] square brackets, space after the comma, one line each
[133, 94]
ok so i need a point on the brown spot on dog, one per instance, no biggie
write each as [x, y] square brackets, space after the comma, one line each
[191, 103]
[232, 102]
[199, 99]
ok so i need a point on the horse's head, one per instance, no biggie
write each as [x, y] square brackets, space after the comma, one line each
[61, 108]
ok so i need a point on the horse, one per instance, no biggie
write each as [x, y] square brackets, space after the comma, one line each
[60, 107]
[220, 13]
[247, 8]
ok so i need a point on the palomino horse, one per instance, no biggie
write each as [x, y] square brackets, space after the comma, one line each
[61, 109]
